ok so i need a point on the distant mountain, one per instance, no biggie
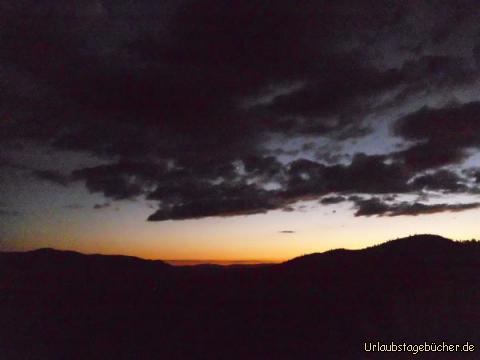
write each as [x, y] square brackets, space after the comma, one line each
[51, 259]
[413, 248]
[59, 269]
[55, 254]
[416, 243]
[65, 305]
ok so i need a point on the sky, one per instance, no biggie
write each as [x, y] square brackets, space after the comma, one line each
[237, 130]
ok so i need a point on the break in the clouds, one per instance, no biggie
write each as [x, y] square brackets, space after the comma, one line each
[206, 107]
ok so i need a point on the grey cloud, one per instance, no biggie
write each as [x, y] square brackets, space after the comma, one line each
[375, 206]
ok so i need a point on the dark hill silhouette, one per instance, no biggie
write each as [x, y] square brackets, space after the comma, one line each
[417, 243]
[65, 305]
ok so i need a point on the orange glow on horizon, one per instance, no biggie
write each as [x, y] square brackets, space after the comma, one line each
[243, 239]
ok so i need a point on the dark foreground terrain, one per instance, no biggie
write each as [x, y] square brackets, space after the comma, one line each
[65, 305]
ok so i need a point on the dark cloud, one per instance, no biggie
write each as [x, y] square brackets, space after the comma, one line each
[475, 173]
[375, 206]
[305, 179]
[218, 190]
[330, 200]
[444, 135]
[183, 100]
[287, 232]
[9, 164]
[365, 174]
[7, 213]
[229, 189]
[335, 100]
[263, 166]
[330, 157]
[218, 202]
[437, 71]
[325, 105]
[420, 209]
[52, 176]
[456, 124]
[476, 54]
[442, 180]
[369, 207]
[167, 79]
[101, 206]
[120, 180]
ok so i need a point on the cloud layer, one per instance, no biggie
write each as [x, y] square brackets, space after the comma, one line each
[206, 107]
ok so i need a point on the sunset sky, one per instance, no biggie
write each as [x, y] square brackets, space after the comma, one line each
[237, 130]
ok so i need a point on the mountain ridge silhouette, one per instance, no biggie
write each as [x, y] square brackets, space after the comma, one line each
[421, 242]
[65, 305]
